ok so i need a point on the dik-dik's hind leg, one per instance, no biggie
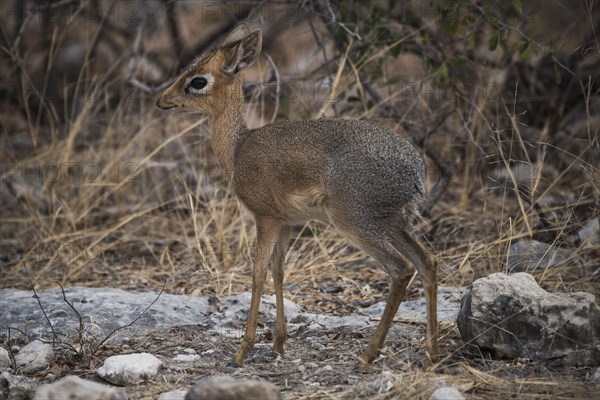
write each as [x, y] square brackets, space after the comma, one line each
[400, 273]
[278, 271]
[398, 284]
[426, 264]
[267, 232]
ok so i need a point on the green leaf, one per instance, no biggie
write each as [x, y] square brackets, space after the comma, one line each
[517, 46]
[395, 51]
[491, 18]
[504, 39]
[493, 42]
[468, 20]
[471, 42]
[526, 53]
[518, 6]
[443, 74]
[450, 26]
[458, 61]
[557, 75]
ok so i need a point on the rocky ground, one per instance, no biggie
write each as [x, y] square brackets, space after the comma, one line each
[183, 339]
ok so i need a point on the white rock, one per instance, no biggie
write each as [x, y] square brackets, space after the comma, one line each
[512, 316]
[383, 383]
[327, 368]
[448, 304]
[74, 388]
[5, 363]
[226, 387]
[34, 357]
[590, 232]
[173, 395]
[446, 393]
[15, 387]
[108, 308]
[530, 255]
[186, 358]
[129, 369]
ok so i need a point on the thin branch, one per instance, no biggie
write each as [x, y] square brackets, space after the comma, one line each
[135, 51]
[527, 38]
[37, 298]
[151, 89]
[277, 85]
[110, 335]
[77, 314]
[15, 46]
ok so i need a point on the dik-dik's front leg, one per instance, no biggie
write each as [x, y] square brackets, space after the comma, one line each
[267, 233]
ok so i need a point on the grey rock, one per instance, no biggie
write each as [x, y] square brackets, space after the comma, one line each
[74, 388]
[5, 362]
[529, 255]
[448, 304]
[590, 232]
[129, 369]
[15, 387]
[228, 388]
[325, 369]
[187, 358]
[229, 322]
[446, 393]
[596, 376]
[34, 357]
[383, 383]
[173, 395]
[511, 316]
[520, 177]
[108, 308]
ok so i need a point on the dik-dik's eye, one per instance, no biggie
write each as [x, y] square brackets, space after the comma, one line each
[199, 84]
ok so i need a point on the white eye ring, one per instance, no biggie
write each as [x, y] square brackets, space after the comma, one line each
[209, 82]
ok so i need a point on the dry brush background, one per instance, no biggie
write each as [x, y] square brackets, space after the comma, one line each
[98, 188]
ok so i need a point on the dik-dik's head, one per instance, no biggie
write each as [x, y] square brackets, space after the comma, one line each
[203, 86]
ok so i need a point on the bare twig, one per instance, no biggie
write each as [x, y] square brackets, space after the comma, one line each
[527, 38]
[173, 27]
[277, 85]
[110, 335]
[15, 47]
[10, 351]
[37, 298]
[150, 89]
[77, 314]
[135, 52]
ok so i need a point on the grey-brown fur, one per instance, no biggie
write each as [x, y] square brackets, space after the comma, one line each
[376, 173]
[359, 175]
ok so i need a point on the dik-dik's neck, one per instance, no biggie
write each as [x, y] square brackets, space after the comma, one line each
[228, 125]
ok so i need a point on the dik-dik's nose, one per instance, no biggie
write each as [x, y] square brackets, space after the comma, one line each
[165, 104]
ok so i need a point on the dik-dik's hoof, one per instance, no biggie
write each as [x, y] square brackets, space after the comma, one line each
[430, 360]
[363, 367]
[233, 364]
[364, 362]
[237, 361]
[278, 349]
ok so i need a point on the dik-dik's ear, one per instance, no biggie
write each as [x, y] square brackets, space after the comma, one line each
[240, 54]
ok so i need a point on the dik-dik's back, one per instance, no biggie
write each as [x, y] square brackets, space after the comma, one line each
[296, 168]
[359, 175]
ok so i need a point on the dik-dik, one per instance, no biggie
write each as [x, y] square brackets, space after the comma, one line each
[358, 175]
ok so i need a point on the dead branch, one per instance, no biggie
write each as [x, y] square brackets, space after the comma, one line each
[110, 335]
